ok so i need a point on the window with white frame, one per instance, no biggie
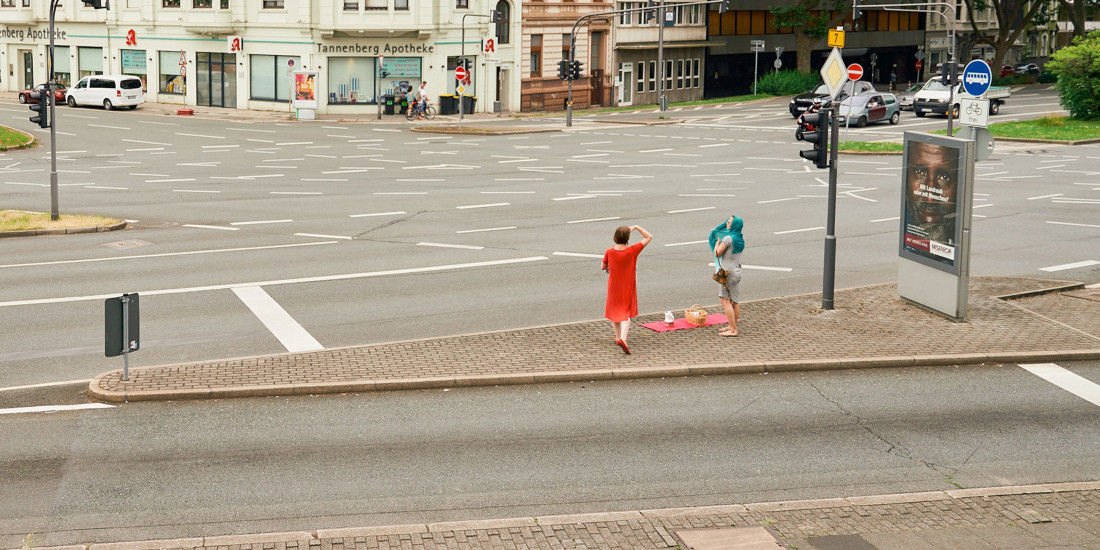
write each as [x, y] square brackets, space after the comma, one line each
[376, 4]
[653, 76]
[668, 74]
[679, 74]
[695, 73]
[639, 75]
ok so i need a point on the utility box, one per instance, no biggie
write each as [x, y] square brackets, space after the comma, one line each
[496, 107]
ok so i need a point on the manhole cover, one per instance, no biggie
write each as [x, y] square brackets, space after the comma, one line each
[127, 244]
[729, 538]
[1086, 293]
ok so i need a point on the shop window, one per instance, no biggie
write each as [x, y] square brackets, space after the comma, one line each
[375, 5]
[133, 63]
[170, 3]
[269, 79]
[62, 66]
[351, 5]
[89, 61]
[7, 4]
[401, 4]
[170, 81]
[202, 4]
[504, 24]
[536, 55]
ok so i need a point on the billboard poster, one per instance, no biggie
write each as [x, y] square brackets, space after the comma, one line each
[933, 200]
[305, 90]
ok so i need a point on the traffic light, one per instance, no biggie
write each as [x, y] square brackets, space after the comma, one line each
[575, 70]
[856, 12]
[947, 75]
[724, 6]
[494, 16]
[651, 11]
[819, 136]
[563, 69]
[98, 4]
[40, 104]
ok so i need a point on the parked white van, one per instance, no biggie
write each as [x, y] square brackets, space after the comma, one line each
[108, 90]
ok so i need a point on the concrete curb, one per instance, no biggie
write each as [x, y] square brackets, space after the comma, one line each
[65, 231]
[632, 373]
[263, 539]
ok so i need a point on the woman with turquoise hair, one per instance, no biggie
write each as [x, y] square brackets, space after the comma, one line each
[727, 243]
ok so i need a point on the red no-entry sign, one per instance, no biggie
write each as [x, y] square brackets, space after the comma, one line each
[919, 65]
[460, 73]
[855, 71]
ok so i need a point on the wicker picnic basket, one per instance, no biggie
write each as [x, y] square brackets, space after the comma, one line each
[696, 315]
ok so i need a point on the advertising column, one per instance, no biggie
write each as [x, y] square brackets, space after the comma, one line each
[934, 233]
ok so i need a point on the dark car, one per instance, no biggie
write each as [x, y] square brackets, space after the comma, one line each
[58, 94]
[801, 102]
[1027, 68]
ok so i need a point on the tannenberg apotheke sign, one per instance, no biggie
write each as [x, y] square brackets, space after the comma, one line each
[32, 34]
[376, 49]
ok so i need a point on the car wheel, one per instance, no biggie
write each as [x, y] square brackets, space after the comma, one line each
[994, 107]
[955, 111]
[107, 105]
[132, 107]
[896, 118]
[72, 101]
[918, 113]
[22, 98]
[861, 122]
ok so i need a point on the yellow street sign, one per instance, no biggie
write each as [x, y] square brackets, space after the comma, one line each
[836, 38]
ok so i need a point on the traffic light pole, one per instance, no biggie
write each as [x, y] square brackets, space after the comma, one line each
[51, 82]
[829, 278]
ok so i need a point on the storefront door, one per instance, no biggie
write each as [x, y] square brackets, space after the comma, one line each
[28, 69]
[216, 79]
[626, 83]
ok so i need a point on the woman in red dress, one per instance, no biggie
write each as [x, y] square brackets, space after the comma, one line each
[621, 262]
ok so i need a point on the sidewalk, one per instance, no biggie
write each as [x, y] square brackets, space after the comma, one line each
[1051, 516]
[869, 327]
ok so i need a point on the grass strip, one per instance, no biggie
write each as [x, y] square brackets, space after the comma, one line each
[14, 139]
[18, 220]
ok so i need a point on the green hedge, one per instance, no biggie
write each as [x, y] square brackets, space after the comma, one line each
[787, 82]
[1078, 70]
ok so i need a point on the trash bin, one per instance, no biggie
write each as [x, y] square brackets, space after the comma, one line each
[404, 104]
[389, 103]
[468, 103]
[448, 105]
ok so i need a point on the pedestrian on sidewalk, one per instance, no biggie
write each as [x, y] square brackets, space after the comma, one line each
[620, 262]
[727, 243]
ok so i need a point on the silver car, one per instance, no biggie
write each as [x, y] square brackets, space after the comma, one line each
[869, 107]
[905, 99]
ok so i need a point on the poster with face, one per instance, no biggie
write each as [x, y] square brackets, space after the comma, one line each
[305, 90]
[931, 209]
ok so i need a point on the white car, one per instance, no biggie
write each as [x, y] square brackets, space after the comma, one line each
[108, 90]
[905, 99]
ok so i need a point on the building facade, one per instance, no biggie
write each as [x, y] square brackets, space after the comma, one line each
[659, 52]
[549, 37]
[244, 54]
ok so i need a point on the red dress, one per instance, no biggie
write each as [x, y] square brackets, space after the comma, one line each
[622, 284]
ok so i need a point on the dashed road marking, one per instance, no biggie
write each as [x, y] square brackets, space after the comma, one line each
[56, 408]
[1075, 265]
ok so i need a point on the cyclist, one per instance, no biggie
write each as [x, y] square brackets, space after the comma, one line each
[423, 92]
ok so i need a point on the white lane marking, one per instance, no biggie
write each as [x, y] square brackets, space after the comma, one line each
[126, 140]
[295, 193]
[886, 219]
[56, 408]
[289, 333]
[1077, 385]
[397, 213]
[403, 193]
[105, 187]
[320, 236]
[573, 197]
[655, 150]
[595, 220]
[324, 278]
[1074, 224]
[701, 195]
[257, 222]
[113, 258]
[1075, 265]
[196, 226]
[767, 268]
[797, 230]
[1044, 196]
[193, 191]
[692, 210]
[46, 385]
[444, 245]
[686, 243]
[486, 229]
[199, 136]
[577, 254]
[468, 206]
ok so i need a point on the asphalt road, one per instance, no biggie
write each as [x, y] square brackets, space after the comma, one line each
[366, 233]
[160, 470]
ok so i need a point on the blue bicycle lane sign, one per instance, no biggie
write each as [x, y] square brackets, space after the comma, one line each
[976, 78]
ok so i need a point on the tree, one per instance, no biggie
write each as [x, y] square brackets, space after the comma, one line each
[811, 21]
[1013, 17]
[1078, 69]
[1078, 12]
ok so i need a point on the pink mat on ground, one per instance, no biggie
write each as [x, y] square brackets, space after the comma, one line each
[659, 326]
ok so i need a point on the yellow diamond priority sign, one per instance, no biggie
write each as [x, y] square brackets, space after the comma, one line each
[833, 73]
